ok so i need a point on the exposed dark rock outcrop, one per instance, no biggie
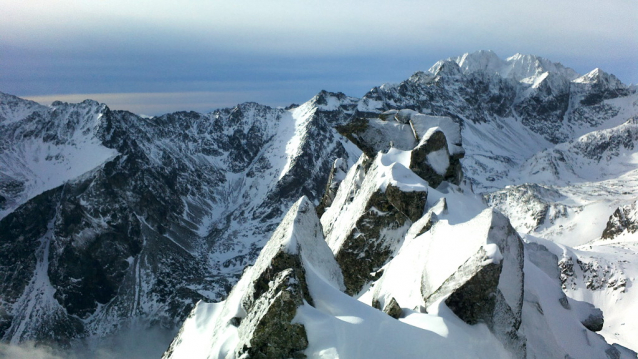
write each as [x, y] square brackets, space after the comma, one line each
[432, 148]
[472, 290]
[410, 203]
[390, 308]
[488, 287]
[624, 219]
[595, 320]
[369, 219]
[270, 292]
[267, 331]
[337, 174]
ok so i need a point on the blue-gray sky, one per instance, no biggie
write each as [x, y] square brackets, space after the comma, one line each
[157, 56]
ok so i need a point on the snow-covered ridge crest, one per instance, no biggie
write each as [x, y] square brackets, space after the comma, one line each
[13, 108]
[257, 319]
[49, 146]
[598, 155]
[517, 67]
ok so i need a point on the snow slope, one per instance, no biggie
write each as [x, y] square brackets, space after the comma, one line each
[45, 147]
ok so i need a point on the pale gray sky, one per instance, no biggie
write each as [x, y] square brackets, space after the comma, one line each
[148, 56]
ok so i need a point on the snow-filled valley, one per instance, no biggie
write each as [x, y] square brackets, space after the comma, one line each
[485, 208]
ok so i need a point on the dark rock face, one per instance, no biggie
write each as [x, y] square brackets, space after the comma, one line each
[420, 164]
[411, 204]
[481, 291]
[365, 249]
[595, 320]
[472, 289]
[262, 282]
[353, 130]
[337, 174]
[267, 330]
[624, 219]
[390, 308]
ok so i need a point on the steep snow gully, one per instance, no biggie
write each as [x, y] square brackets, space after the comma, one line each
[485, 208]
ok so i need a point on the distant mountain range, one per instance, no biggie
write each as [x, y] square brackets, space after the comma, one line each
[110, 220]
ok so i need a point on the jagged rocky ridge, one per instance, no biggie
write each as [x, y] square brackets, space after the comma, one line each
[172, 210]
[470, 261]
[190, 224]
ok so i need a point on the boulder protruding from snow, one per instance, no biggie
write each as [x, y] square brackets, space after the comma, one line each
[430, 160]
[257, 318]
[595, 320]
[472, 290]
[391, 307]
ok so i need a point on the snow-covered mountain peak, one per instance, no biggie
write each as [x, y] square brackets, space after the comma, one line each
[13, 108]
[598, 76]
[86, 102]
[445, 68]
[482, 60]
[48, 147]
[522, 66]
[519, 67]
[331, 101]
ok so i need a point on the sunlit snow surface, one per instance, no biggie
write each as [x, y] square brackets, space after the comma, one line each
[582, 183]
